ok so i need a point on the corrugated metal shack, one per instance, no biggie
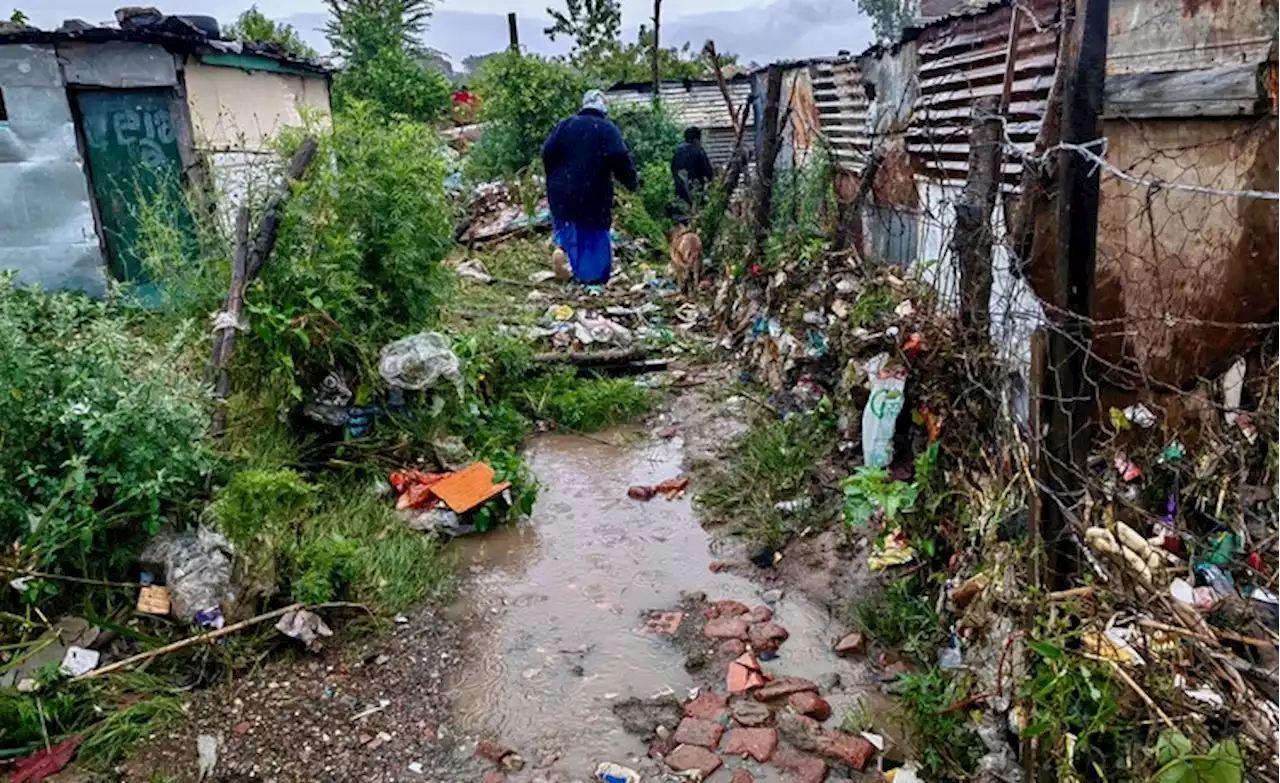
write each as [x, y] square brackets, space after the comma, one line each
[1190, 98]
[100, 125]
[695, 103]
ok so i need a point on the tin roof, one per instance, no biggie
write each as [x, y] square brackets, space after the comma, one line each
[692, 102]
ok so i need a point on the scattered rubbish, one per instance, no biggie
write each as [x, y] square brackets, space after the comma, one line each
[1173, 453]
[880, 415]
[795, 505]
[895, 549]
[951, 658]
[474, 270]
[1141, 415]
[672, 488]
[744, 674]
[79, 661]
[874, 739]
[46, 762]
[451, 452]
[905, 309]
[206, 756]
[197, 566]
[153, 599]
[663, 623]
[1206, 696]
[467, 488]
[542, 276]
[437, 520]
[616, 773]
[1221, 581]
[641, 492]
[460, 490]
[417, 362]
[210, 619]
[1129, 471]
[907, 773]
[305, 626]
[379, 707]
[1114, 644]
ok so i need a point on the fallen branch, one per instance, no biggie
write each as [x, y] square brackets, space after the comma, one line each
[205, 638]
[589, 359]
[1219, 633]
[1136, 688]
[60, 577]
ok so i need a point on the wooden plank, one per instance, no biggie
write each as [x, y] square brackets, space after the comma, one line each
[1217, 92]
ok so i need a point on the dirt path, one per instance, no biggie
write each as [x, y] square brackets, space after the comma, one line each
[543, 641]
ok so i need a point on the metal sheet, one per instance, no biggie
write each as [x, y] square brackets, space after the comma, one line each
[117, 64]
[46, 220]
[841, 103]
[700, 104]
[1153, 36]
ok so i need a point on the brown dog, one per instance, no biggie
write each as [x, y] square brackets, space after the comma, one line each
[686, 259]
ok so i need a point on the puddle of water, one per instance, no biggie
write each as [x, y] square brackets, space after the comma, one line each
[566, 592]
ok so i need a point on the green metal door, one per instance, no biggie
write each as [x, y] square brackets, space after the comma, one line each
[132, 144]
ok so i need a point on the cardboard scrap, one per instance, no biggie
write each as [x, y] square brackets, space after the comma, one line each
[468, 488]
[154, 599]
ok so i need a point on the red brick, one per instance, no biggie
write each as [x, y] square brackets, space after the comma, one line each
[760, 614]
[785, 687]
[846, 749]
[693, 757]
[730, 608]
[726, 628]
[492, 751]
[693, 731]
[663, 623]
[708, 706]
[803, 769]
[742, 776]
[800, 731]
[811, 704]
[853, 644]
[493, 776]
[759, 744]
[661, 746]
[733, 647]
[767, 637]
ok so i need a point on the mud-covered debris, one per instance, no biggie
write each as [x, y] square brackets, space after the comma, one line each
[803, 768]
[687, 757]
[641, 492]
[810, 704]
[695, 731]
[851, 644]
[742, 776]
[726, 628]
[492, 751]
[616, 773]
[846, 749]
[663, 623]
[474, 271]
[767, 637]
[707, 706]
[784, 687]
[750, 713]
[305, 626]
[759, 614]
[727, 608]
[644, 716]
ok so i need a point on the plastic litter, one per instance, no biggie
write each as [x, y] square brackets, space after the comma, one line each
[1141, 415]
[79, 661]
[437, 520]
[907, 773]
[45, 762]
[197, 569]
[880, 416]
[305, 626]
[474, 270]
[418, 362]
[616, 773]
[894, 550]
[206, 755]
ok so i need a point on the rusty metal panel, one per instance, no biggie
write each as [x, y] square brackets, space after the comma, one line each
[963, 59]
[117, 64]
[697, 103]
[1154, 36]
[801, 131]
[841, 103]
[47, 232]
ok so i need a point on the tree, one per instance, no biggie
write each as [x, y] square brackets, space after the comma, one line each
[379, 44]
[889, 17]
[253, 26]
[594, 25]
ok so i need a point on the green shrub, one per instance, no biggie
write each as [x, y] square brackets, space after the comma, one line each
[523, 97]
[395, 84]
[104, 437]
[650, 133]
[584, 405]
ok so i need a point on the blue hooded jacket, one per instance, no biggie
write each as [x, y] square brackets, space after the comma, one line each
[581, 157]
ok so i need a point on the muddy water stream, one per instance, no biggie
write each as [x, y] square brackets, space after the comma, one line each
[556, 605]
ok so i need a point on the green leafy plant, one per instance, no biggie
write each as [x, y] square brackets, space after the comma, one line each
[870, 490]
[1076, 696]
[256, 27]
[949, 746]
[900, 617]
[523, 97]
[326, 567]
[379, 43]
[1223, 763]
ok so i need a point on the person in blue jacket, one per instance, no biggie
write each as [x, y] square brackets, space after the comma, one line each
[582, 157]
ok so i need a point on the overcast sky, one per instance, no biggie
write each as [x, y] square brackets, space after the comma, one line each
[49, 13]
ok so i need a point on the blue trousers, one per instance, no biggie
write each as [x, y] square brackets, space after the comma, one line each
[590, 251]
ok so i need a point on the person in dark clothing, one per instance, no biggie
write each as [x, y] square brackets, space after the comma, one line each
[582, 157]
[691, 168]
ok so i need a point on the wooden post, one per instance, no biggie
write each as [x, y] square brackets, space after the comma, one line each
[709, 49]
[768, 156]
[971, 242]
[1070, 427]
[849, 213]
[245, 266]
[657, 71]
[513, 33]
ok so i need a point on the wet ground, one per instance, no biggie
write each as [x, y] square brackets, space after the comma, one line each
[543, 640]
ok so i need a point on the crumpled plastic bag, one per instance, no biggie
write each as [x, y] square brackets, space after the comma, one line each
[197, 568]
[305, 626]
[418, 362]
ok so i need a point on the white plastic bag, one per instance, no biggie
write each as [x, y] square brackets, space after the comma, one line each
[416, 363]
[880, 416]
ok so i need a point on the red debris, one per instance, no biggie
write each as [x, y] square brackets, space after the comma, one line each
[718, 565]
[242, 728]
[853, 644]
[733, 647]
[750, 713]
[492, 751]
[694, 731]
[641, 492]
[810, 704]
[663, 623]
[730, 608]
[759, 744]
[693, 757]
[726, 628]
[708, 706]
[845, 748]
[785, 687]
[767, 636]
[760, 614]
[804, 769]
[672, 488]
[742, 776]
[42, 764]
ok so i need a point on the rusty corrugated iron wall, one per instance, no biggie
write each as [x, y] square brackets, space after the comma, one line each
[841, 102]
[698, 103]
[963, 59]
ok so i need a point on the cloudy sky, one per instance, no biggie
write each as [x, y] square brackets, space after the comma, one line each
[47, 13]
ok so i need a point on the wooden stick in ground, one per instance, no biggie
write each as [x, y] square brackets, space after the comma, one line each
[1136, 688]
[763, 204]
[245, 265]
[709, 49]
[61, 578]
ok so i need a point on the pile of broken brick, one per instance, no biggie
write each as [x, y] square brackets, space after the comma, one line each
[770, 719]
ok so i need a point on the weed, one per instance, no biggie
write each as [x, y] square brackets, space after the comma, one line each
[901, 618]
[584, 405]
[772, 463]
[121, 730]
[871, 305]
[948, 745]
[870, 490]
[1223, 762]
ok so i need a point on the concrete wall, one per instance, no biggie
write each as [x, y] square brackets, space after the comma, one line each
[235, 116]
[47, 229]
